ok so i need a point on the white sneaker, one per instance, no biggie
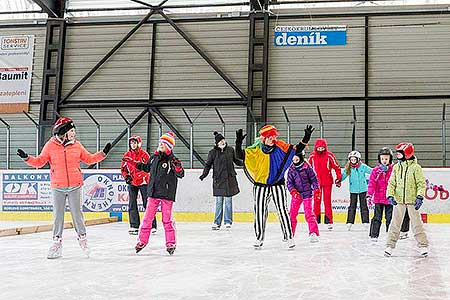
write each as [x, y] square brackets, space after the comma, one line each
[82, 241]
[330, 227]
[55, 250]
[403, 235]
[228, 226]
[388, 252]
[290, 243]
[423, 251]
[257, 244]
[215, 227]
[154, 230]
[349, 226]
[313, 238]
[374, 239]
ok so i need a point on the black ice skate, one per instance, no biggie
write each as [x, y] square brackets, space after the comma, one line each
[171, 249]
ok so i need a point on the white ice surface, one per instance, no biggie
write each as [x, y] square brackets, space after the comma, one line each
[224, 265]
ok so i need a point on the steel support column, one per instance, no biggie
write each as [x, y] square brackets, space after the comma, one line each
[51, 77]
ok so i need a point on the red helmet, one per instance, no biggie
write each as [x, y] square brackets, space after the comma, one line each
[406, 148]
[62, 125]
[137, 139]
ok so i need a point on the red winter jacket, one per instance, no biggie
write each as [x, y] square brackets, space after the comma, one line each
[323, 162]
[64, 162]
[128, 167]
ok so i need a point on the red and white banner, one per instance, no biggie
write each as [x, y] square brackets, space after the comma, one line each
[16, 66]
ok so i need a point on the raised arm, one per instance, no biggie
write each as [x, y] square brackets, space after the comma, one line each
[240, 136]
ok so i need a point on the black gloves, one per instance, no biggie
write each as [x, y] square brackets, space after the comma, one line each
[240, 136]
[128, 179]
[22, 154]
[202, 177]
[308, 131]
[176, 164]
[107, 148]
[140, 166]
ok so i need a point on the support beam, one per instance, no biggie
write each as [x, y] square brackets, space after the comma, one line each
[203, 55]
[366, 89]
[125, 131]
[52, 75]
[110, 53]
[179, 135]
[54, 8]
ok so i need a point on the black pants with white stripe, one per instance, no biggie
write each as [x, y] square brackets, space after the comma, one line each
[262, 196]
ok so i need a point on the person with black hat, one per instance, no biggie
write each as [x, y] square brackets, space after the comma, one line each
[222, 159]
[64, 154]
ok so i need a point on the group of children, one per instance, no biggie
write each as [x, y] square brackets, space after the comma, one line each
[397, 190]
[270, 164]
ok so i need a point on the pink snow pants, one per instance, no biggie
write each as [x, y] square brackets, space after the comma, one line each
[150, 212]
[310, 218]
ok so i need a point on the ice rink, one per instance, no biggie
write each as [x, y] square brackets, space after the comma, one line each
[224, 265]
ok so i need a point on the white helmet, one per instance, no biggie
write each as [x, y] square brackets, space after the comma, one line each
[354, 154]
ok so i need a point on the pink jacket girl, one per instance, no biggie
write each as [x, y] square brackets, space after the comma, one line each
[378, 183]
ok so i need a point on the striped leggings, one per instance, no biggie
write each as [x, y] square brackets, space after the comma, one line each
[262, 196]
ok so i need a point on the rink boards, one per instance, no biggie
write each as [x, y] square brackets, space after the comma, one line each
[26, 195]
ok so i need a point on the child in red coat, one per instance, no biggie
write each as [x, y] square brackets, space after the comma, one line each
[323, 162]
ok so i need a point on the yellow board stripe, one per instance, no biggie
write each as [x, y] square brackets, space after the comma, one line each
[187, 217]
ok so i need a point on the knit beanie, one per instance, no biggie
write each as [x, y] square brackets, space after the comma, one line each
[168, 139]
[218, 137]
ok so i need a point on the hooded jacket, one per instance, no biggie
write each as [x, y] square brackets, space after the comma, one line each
[303, 179]
[357, 178]
[224, 175]
[406, 182]
[128, 166]
[323, 162]
[165, 170]
[64, 160]
[378, 184]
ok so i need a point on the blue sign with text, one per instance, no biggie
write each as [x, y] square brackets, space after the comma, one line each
[310, 36]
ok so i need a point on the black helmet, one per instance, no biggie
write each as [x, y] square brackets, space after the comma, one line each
[385, 151]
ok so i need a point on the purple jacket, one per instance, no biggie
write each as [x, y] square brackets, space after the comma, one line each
[378, 183]
[303, 180]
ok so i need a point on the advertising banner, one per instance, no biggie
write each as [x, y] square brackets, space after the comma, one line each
[16, 65]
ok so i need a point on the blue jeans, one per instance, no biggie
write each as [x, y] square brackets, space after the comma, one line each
[228, 218]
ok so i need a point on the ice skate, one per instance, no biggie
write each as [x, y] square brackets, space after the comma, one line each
[374, 239]
[171, 249]
[388, 252]
[82, 241]
[423, 251]
[227, 226]
[154, 230]
[215, 227]
[55, 250]
[330, 227]
[139, 246]
[403, 235]
[258, 244]
[133, 231]
[349, 226]
[313, 238]
[290, 243]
